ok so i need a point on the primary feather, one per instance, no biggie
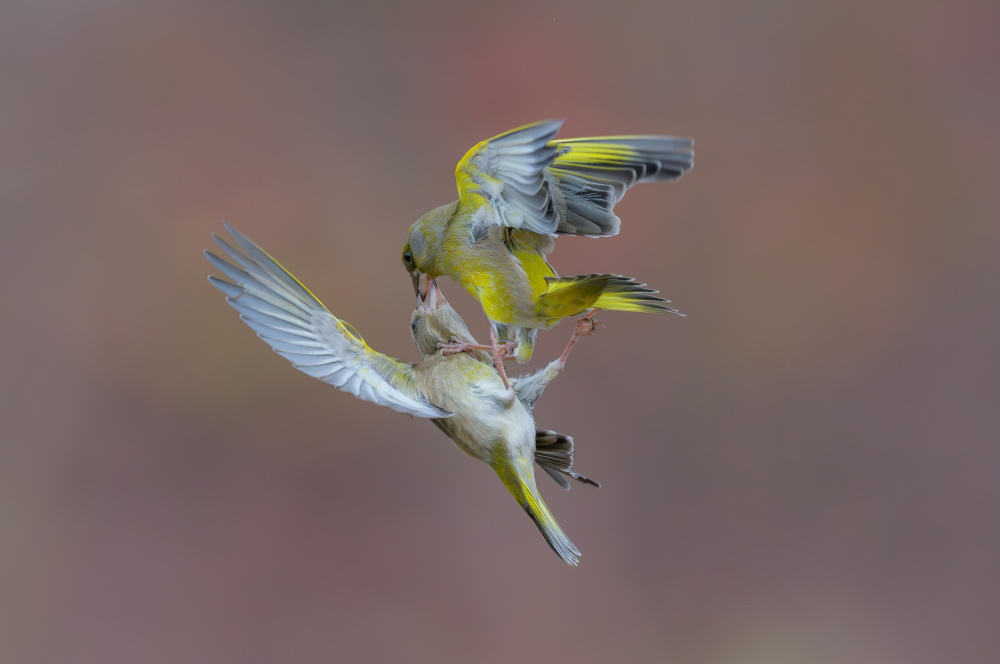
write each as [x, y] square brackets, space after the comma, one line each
[570, 186]
[287, 316]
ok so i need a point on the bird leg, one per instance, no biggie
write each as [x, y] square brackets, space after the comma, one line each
[585, 327]
[459, 346]
[500, 351]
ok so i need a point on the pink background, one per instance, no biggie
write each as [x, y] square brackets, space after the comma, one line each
[805, 469]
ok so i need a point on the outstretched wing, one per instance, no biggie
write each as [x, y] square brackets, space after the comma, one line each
[525, 180]
[299, 328]
[503, 179]
[592, 174]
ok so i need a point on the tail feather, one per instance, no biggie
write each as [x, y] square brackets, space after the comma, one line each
[554, 454]
[551, 531]
[567, 296]
[627, 294]
[519, 478]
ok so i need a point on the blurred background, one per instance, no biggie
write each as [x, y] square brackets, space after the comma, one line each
[805, 469]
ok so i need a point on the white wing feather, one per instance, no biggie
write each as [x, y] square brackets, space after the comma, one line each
[299, 328]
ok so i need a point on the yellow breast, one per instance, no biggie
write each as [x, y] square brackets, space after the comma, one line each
[507, 285]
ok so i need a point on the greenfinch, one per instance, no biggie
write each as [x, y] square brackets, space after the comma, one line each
[461, 392]
[518, 190]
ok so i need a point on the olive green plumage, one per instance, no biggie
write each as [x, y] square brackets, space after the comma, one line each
[462, 393]
[516, 192]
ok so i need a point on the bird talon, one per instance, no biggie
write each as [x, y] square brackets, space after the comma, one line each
[499, 355]
[458, 346]
[467, 347]
[500, 351]
[588, 326]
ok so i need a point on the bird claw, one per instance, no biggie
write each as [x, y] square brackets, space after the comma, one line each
[506, 348]
[459, 346]
[587, 326]
[501, 351]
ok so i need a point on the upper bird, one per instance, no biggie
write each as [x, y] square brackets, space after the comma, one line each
[518, 190]
[462, 392]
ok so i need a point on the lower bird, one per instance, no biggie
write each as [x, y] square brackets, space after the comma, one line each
[461, 392]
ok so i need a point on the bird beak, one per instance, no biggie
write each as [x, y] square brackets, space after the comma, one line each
[416, 282]
[429, 296]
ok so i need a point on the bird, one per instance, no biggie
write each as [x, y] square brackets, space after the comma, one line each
[461, 392]
[517, 191]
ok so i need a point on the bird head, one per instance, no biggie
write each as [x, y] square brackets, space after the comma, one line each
[434, 321]
[420, 253]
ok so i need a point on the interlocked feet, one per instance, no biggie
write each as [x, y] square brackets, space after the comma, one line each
[502, 350]
[499, 352]
[459, 346]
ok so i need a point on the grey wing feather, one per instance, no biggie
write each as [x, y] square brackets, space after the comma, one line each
[592, 174]
[508, 171]
[570, 186]
[297, 326]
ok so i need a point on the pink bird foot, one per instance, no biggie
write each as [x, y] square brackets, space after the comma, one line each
[585, 327]
[457, 346]
[500, 351]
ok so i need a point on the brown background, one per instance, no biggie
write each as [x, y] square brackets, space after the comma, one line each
[805, 469]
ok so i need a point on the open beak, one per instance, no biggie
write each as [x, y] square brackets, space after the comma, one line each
[429, 296]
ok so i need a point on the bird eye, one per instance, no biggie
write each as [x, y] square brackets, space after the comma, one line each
[408, 258]
[413, 325]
